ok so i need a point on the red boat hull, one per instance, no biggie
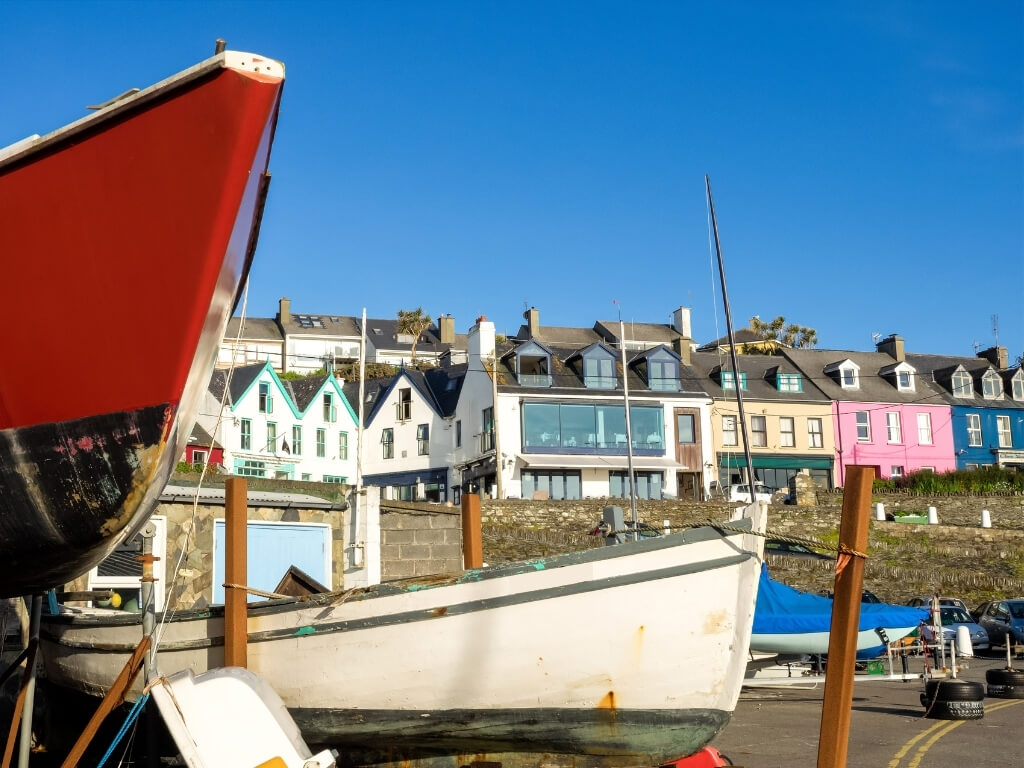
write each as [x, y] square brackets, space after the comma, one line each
[125, 238]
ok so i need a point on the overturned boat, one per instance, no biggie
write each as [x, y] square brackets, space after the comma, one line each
[125, 238]
[632, 654]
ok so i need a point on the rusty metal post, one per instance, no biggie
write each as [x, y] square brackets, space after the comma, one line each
[834, 737]
[236, 517]
[472, 540]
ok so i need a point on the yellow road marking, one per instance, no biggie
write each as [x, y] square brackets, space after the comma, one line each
[942, 728]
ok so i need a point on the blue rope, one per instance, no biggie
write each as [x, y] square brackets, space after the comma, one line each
[135, 711]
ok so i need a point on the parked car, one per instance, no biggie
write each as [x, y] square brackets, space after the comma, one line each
[1002, 617]
[741, 492]
[953, 616]
[789, 549]
[926, 602]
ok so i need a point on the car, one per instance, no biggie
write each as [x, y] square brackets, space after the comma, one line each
[741, 492]
[951, 617]
[789, 549]
[1000, 618]
[926, 602]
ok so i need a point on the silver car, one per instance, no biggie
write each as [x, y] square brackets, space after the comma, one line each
[952, 617]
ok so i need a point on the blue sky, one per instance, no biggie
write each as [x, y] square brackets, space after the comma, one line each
[867, 159]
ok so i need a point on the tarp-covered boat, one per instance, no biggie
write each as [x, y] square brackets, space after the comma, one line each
[125, 237]
[787, 620]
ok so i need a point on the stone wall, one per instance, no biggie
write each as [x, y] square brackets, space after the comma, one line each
[417, 542]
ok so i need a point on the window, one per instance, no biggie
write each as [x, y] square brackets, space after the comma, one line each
[246, 441]
[387, 441]
[422, 439]
[729, 380]
[271, 437]
[555, 484]
[787, 432]
[343, 445]
[789, 382]
[924, 428]
[892, 427]
[199, 458]
[321, 443]
[904, 381]
[991, 385]
[533, 365]
[662, 372]
[487, 437]
[266, 401]
[648, 485]
[685, 432]
[962, 385]
[334, 479]
[974, 430]
[249, 468]
[863, 427]
[296, 440]
[582, 428]
[729, 431]
[1003, 430]
[849, 375]
[458, 434]
[814, 439]
[1017, 384]
[404, 405]
[758, 432]
[330, 412]
[598, 370]
[306, 477]
[895, 471]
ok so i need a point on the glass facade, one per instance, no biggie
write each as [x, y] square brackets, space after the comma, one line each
[572, 428]
[556, 483]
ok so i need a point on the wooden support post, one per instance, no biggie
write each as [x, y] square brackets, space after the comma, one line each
[19, 704]
[115, 696]
[236, 518]
[472, 540]
[834, 737]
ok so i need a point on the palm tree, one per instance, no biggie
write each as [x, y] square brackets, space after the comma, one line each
[791, 335]
[413, 322]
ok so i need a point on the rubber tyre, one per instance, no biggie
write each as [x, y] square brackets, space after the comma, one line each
[1005, 683]
[953, 689]
[956, 710]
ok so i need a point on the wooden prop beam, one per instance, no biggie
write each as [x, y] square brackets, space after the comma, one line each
[236, 519]
[834, 738]
[472, 538]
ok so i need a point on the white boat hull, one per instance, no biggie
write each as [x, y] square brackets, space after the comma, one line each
[817, 642]
[631, 653]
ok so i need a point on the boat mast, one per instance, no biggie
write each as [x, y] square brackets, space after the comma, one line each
[629, 431]
[732, 344]
[357, 535]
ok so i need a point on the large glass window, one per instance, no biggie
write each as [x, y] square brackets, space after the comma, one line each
[962, 384]
[758, 431]
[787, 432]
[648, 485]
[662, 372]
[598, 370]
[1003, 430]
[863, 427]
[533, 366]
[554, 484]
[924, 428]
[973, 430]
[577, 427]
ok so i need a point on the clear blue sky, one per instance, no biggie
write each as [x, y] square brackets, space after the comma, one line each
[867, 160]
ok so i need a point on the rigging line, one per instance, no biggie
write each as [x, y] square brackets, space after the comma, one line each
[186, 544]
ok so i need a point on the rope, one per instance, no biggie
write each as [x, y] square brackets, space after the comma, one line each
[132, 716]
[253, 590]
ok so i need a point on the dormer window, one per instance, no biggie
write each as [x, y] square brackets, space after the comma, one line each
[1017, 385]
[900, 374]
[962, 385]
[904, 380]
[991, 385]
[848, 378]
[662, 371]
[789, 382]
[599, 368]
[533, 365]
[729, 380]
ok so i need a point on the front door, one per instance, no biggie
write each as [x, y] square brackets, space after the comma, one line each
[688, 453]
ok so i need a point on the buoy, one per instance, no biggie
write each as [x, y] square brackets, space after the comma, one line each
[879, 511]
[933, 516]
[986, 519]
[963, 641]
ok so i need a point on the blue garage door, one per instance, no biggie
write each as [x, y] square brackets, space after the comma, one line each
[271, 549]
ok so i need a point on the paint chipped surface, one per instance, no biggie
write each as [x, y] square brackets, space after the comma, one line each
[716, 622]
[307, 630]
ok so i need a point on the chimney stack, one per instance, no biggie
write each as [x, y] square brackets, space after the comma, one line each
[447, 328]
[532, 317]
[284, 311]
[892, 345]
[681, 346]
[997, 356]
[681, 322]
[480, 341]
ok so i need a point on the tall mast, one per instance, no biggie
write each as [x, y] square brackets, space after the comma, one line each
[629, 431]
[732, 345]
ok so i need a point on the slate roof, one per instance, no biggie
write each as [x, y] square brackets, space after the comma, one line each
[372, 390]
[446, 384]
[652, 333]
[558, 335]
[761, 371]
[874, 388]
[320, 325]
[241, 378]
[940, 368]
[255, 329]
[200, 437]
[302, 391]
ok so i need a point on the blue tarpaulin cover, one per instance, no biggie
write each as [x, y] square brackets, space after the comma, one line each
[780, 609]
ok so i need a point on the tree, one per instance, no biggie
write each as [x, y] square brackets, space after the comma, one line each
[413, 322]
[791, 335]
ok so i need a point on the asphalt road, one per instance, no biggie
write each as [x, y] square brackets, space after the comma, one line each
[779, 727]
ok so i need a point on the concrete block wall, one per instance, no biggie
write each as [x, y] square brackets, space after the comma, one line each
[417, 543]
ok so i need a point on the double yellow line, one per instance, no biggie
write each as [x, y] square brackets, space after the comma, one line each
[936, 732]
